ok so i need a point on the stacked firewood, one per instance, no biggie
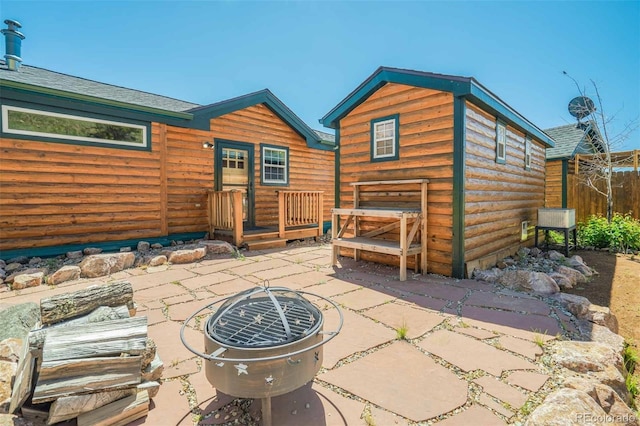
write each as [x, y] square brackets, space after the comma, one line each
[89, 358]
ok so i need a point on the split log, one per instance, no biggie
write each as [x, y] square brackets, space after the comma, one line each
[154, 370]
[70, 305]
[152, 388]
[102, 313]
[118, 413]
[94, 340]
[70, 407]
[24, 377]
[82, 376]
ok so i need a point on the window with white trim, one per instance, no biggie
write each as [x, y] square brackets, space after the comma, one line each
[527, 153]
[384, 138]
[31, 122]
[275, 164]
[501, 142]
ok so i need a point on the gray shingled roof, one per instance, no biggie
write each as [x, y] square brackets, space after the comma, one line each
[58, 81]
[567, 140]
[326, 137]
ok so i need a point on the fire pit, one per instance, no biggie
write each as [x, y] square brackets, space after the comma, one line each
[263, 342]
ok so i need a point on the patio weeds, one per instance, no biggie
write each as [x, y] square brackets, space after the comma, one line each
[471, 352]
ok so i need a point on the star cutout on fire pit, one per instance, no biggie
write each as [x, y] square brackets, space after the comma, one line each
[242, 369]
[242, 313]
[269, 380]
[312, 319]
[316, 357]
[258, 319]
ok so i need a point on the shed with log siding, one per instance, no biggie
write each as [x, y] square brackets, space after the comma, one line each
[483, 195]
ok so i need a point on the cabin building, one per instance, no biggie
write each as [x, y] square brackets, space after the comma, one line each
[484, 163]
[85, 163]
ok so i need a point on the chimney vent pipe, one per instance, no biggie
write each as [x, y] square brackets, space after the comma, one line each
[13, 44]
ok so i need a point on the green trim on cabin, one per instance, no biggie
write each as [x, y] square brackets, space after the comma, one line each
[336, 170]
[396, 139]
[565, 171]
[262, 166]
[460, 86]
[80, 113]
[459, 136]
[218, 145]
[202, 115]
[92, 99]
[106, 246]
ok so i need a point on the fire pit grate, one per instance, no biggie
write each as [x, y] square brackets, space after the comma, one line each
[263, 322]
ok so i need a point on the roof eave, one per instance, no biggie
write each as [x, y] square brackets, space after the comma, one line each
[25, 87]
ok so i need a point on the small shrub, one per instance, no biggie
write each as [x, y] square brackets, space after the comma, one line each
[622, 234]
[630, 357]
[555, 238]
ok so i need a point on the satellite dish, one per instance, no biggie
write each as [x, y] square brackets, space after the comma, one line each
[581, 106]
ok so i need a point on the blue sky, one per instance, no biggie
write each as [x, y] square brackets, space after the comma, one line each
[312, 54]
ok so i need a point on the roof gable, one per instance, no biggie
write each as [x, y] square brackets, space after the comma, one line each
[202, 114]
[466, 87]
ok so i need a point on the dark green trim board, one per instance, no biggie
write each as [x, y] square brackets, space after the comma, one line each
[459, 136]
[262, 166]
[219, 144]
[396, 140]
[107, 246]
[565, 171]
[336, 180]
[467, 87]
[203, 114]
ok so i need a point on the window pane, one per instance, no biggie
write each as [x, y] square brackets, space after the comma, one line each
[69, 126]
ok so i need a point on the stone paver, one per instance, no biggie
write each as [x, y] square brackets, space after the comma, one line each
[523, 347]
[511, 322]
[455, 348]
[358, 334]
[363, 298]
[315, 405]
[425, 302]
[474, 415]
[180, 312]
[416, 321]
[283, 271]
[509, 303]
[527, 379]
[206, 280]
[231, 287]
[152, 280]
[442, 291]
[332, 288]
[478, 333]
[502, 391]
[159, 292]
[170, 347]
[405, 381]
[180, 369]
[486, 400]
[170, 406]
[382, 417]
[251, 267]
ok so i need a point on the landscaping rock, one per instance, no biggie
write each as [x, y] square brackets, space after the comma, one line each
[584, 357]
[2, 264]
[555, 255]
[596, 333]
[488, 275]
[35, 260]
[66, 273]
[12, 267]
[574, 275]
[605, 397]
[577, 305]
[158, 260]
[104, 264]
[143, 246]
[577, 263]
[218, 247]
[156, 246]
[27, 280]
[566, 407]
[125, 249]
[13, 276]
[535, 252]
[74, 254]
[17, 320]
[538, 282]
[563, 281]
[19, 259]
[10, 349]
[91, 251]
[187, 256]
[602, 315]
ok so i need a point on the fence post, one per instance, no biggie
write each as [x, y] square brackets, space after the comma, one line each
[320, 213]
[282, 211]
[236, 202]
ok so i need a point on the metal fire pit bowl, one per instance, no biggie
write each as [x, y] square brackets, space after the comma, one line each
[263, 342]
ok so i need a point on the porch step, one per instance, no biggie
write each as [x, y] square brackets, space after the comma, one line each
[257, 236]
[266, 244]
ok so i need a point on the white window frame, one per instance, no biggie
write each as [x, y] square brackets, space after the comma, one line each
[391, 121]
[527, 153]
[284, 167]
[7, 129]
[501, 141]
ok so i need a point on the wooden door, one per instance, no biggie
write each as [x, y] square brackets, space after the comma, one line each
[234, 170]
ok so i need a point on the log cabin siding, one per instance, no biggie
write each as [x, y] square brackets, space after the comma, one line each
[57, 194]
[189, 174]
[425, 151]
[309, 169]
[498, 197]
[553, 184]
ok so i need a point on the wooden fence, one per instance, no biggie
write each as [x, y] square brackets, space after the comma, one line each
[586, 201]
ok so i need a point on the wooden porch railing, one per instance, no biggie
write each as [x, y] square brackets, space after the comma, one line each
[224, 209]
[299, 208]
